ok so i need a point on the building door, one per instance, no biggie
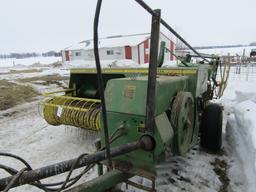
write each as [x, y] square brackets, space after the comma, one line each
[128, 52]
[67, 56]
[146, 51]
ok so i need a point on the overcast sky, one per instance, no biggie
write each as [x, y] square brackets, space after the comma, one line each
[42, 25]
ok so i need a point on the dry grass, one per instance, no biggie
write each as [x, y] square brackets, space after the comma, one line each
[22, 71]
[12, 94]
[47, 78]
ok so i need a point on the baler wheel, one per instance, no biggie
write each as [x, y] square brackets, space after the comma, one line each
[182, 120]
[211, 127]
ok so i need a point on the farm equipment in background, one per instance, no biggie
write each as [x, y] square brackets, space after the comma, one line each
[253, 53]
[139, 114]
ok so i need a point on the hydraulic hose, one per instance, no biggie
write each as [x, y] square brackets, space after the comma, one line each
[100, 82]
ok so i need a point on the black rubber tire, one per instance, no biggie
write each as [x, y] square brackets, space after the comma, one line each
[211, 127]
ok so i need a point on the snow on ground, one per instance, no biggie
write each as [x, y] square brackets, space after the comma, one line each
[239, 102]
[24, 132]
[11, 62]
[231, 50]
[104, 63]
[31, 67]
[42, 71]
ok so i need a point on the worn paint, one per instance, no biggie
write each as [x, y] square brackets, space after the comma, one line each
[175, 71]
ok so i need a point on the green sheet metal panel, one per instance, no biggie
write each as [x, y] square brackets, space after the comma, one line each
[127, 95]
[132, 131]
[164, 128]
[126, 108]
[133, 128]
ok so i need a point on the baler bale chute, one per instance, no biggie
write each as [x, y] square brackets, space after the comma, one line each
[145, 112]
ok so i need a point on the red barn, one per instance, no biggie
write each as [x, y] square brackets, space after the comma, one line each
[129, 47]
[143, 49]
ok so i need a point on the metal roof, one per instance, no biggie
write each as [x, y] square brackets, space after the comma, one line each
[112, 41]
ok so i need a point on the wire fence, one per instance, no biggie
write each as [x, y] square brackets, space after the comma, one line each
[243, 73]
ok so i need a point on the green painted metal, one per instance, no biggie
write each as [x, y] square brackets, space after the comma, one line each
[161, 53]
[86, 84]
[84, 78]
[128, 96]
[140, 71]
[102, 183]
[164, 128]
[126, 106]
[133, 129]
[182, 118]
[125, 93]
[176, 113]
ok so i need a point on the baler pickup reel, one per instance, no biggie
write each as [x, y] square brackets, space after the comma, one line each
[146, 112]
[74, 111]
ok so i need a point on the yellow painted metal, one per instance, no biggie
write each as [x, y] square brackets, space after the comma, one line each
[54, 92]
[83, 99]
[160, 71]
[74, 111]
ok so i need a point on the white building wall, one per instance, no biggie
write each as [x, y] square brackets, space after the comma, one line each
[116, 53]
[88, 55]
[141, 50]
[167, 55]
[76, 54]
[135, 53]
[63, 55]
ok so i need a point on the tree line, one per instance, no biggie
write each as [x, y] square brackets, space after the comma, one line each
[28, 55]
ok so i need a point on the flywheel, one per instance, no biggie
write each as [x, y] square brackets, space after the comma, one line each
[182, 119]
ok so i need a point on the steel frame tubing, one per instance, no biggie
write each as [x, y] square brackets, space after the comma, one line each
[27, 177]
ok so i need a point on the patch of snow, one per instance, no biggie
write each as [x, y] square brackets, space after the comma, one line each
[104, 63]
[125, 63]
[168, 64]
[12, 62]
[225, 51]
[245, 113]
[239, 102]
[25, 133]
[63, 71]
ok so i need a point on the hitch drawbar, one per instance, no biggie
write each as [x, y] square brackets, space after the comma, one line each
[145, 143]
